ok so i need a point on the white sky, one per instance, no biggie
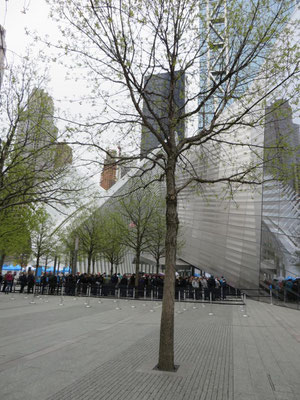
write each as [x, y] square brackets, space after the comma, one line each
[17, 16]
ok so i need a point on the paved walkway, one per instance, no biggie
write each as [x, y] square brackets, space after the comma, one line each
[70, 352]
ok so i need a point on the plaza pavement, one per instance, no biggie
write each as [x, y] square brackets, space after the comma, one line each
[70, 352]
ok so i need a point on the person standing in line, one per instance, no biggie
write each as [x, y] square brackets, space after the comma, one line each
[8, 282]
[30, 282]
[211, 283]
[23, 281]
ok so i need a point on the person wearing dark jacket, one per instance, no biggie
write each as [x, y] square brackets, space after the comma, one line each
[30, 282]
[211, 284]
[52, 283]
[23, 282]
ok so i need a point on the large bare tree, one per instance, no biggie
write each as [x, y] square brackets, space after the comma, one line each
[169, 67]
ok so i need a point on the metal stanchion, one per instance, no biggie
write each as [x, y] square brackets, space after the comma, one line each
[88, 305]
[184, 307]
[100, 294]
[33, 298]
[194, 306]
[118, 301]
[12, 294]
[133, 297]
[61, 297]
[210, 304]
[245, 304]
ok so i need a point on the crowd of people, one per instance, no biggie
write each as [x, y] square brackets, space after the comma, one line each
[284, 289]
[102, 284]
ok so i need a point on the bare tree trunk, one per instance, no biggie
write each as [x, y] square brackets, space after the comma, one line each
[157, 266]
[2, 261]
[89, 264]
[54, 267]
[37, 264]
[94, 265]
[166, 344]
[111, 268]
[137, 268]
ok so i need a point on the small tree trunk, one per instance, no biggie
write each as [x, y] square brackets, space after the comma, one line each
[157, 266]
[89, 264]
[137, 268]
[54, 267]
[111, 268]
[37, 264]
[166, 344]
[94, 265]
[2, 262]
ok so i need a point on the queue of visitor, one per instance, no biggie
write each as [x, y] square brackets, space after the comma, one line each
[83, 284]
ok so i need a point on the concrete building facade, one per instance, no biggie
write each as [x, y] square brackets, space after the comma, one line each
[155, 108]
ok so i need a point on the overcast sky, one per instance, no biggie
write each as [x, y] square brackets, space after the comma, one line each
[20, 15]
[17, 16]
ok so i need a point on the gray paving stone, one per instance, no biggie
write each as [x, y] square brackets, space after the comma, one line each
[48, 352]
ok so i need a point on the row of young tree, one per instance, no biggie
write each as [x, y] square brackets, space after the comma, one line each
[134, 223]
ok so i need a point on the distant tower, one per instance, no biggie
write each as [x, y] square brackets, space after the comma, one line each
[37, 134]
[2, 53]
[214, 62]
[109, 172]
[282, 142]
[156, 91]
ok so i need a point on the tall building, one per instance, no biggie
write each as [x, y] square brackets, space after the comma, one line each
[37, 134]
[2, 53]
[156, 106]
[109, 172]
[282, 143]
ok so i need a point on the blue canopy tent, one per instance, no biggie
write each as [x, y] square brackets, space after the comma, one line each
[7, 267]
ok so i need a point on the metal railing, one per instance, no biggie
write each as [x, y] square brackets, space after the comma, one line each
[149, 292]
[285, 297]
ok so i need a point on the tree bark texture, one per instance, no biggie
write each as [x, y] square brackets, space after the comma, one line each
[89, 264]
[166, 345]
[137, 268]
[2, 261]
[54, 267]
